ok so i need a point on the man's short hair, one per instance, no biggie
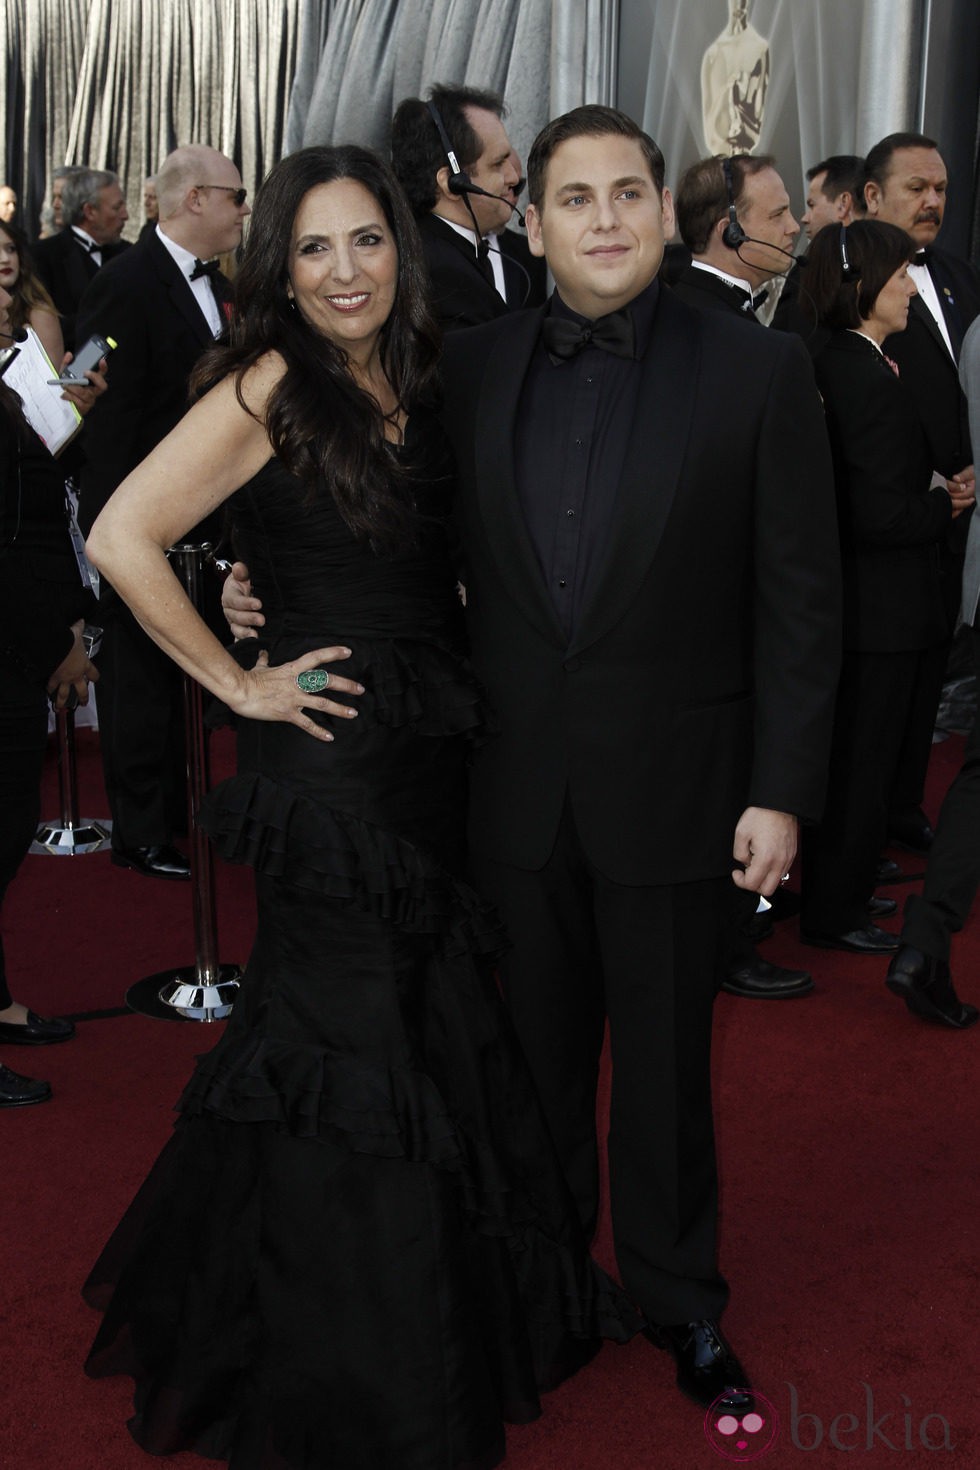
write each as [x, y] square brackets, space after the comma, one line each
[879, 161]
[845, 171]
[417, 149]
[703, 197]
[591, 121]
[875, 251]
[82, 187]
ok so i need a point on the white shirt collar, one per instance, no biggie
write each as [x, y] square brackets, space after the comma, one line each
[737, 281]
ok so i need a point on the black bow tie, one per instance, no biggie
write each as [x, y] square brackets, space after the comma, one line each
[91, 247]
[204, 268]
[563, 337]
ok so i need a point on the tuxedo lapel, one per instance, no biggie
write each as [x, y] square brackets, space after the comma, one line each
[946, 290]
[926, 319]
[652, 467]
[178, 288]
[503, 520]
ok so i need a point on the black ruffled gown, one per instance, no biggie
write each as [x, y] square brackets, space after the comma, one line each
[356, 1252]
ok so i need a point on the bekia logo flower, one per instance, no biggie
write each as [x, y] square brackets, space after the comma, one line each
[743, 1435]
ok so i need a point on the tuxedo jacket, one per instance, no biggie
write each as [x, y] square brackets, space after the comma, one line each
[926, 366]
[66, 269]
[460, 294]
[708, 292]
[701, 676]
[892, 524]
[144, 302]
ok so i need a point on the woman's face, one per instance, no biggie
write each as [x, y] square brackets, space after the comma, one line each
[343, 265]
[890, 312]
[9, 261]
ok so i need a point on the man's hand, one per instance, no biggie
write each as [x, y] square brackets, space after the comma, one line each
[241, 609]
[76, 671]
[765, 841]
[962, 489]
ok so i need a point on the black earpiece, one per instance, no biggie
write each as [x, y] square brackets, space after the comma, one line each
[459, 181]
[848, 271]
[733, 235]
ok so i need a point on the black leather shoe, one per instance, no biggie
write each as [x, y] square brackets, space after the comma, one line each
[869, 939]
[763, 981]
[37, 1031]
[888, 871]
[882, 908]
[707, 1369]
[926, 986]
[910, 830]
[159, 861]
[19, 1092]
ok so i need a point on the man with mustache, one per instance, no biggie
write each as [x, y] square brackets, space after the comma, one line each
[907, 186]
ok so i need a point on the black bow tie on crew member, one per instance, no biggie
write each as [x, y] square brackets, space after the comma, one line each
[563, 337]
[205, 268]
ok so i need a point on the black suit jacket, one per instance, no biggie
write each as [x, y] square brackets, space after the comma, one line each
[66, 270]
[146, 304]
[926, 366]
[460, 294]
[701, 678]
[891, 523]
[708, 292]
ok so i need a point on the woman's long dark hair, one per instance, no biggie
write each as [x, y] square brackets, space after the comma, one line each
[28, 292]
[322, 426]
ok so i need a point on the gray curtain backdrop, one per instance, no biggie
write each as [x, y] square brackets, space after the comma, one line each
[359, 58]
[119, 83]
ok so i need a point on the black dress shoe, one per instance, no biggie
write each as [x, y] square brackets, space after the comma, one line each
[911, 830]
[707, 1369]
[888, 871]
[159, 861]
[882, 908]
[763, 981]
[36, 1031]
[926, 986]
[19, 1092]
[869, 939]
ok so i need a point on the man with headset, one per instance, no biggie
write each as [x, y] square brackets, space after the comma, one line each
[453, 158]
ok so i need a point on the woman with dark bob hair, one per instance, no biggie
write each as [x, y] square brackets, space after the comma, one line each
[892, 521]
[30, 306]
[357, 1249]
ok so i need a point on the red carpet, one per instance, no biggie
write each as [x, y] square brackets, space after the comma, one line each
[848, 1147]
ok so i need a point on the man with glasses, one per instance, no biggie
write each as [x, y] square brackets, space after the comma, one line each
[163, 302]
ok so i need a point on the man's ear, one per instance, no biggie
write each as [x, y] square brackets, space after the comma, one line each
[872, 196]
[444, 194]
[667, 206]
[532, 223]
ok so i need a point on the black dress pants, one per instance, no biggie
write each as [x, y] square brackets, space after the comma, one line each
[585, 949]
[23, 736]
[953, 869]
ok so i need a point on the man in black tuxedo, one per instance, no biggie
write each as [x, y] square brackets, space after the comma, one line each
[652, 574]
[94, 211]
[736, 221]
[478, 269]
[164, 303]
[906, 186]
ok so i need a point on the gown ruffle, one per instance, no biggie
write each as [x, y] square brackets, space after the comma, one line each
[357, 1251]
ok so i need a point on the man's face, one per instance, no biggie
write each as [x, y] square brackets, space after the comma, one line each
[8, 202]
[820, 210]
[600, 223]
[765, 215]
[220, 220]
[56, 189]
[497, 170]
[913, 195]
[150, 206]
[105, 218]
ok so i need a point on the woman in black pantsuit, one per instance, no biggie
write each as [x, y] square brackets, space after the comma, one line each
[892, 521]
[43, 605]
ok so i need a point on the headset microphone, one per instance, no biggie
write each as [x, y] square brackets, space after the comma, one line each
[459, 181]
[848, 271]
[733, 235]
[462, 185]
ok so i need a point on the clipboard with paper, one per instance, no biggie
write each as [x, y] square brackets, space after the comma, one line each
[54, 420]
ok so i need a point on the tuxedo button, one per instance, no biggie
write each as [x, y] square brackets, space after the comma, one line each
[573, 665]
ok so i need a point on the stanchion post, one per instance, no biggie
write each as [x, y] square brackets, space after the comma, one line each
[73, 837]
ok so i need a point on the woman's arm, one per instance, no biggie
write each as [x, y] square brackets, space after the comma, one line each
[214, 449]
[48, 328]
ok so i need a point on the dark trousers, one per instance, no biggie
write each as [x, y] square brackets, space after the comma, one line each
[840, 855]
[141, 733]
[953, 869]
[586, 949]
[23, 736]
[909, 785]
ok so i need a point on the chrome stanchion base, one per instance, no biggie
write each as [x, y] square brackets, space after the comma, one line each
[85, 836]
[181, 995]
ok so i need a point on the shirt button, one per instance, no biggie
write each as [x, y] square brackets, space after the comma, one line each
[569, 512]
[562, 582]
[578, 444]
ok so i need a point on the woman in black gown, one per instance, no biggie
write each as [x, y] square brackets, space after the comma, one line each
[357, 1250]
